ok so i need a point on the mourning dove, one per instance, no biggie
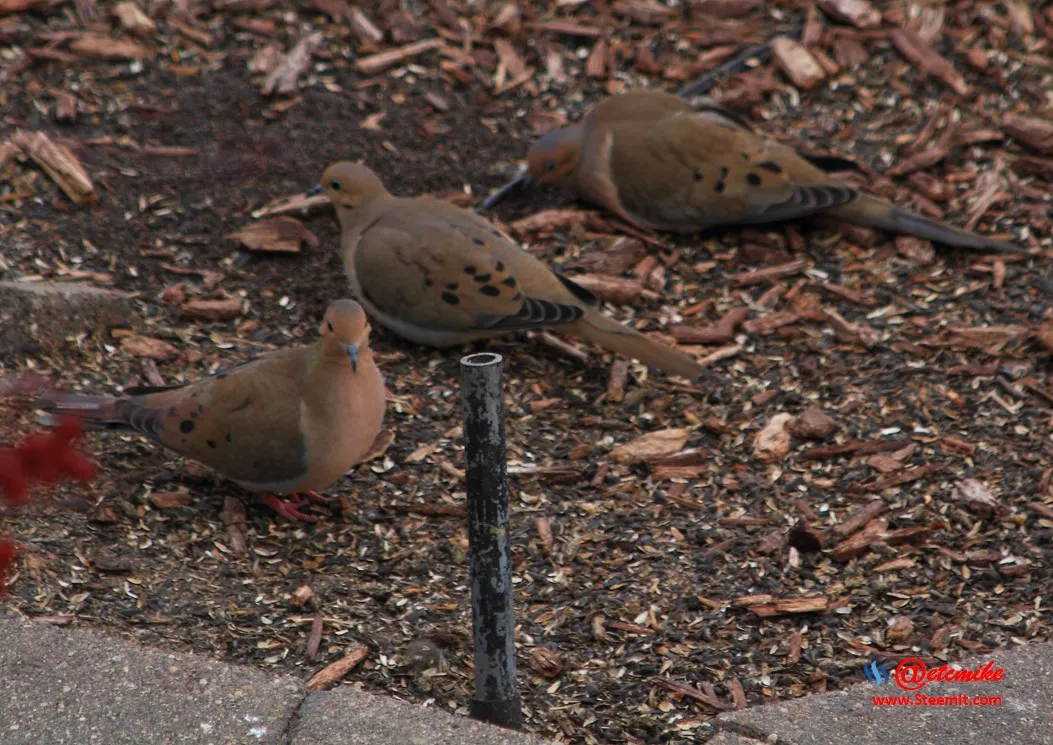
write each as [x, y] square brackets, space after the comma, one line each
[660, 164]
[290, 422]
[441, 276]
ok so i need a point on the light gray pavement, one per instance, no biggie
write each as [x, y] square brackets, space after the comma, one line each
[81, 687]
[329, 718]
[850, 717]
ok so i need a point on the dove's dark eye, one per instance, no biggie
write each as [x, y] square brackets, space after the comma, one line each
[335, 184]
[329, 324]
[550, 165]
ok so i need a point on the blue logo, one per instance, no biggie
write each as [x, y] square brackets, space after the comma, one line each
[876, 672]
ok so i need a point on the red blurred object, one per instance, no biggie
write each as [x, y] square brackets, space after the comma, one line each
[41, 455]
[46, 457]
[7, 555]
[14, 486]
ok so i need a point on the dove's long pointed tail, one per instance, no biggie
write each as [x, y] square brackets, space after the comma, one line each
[616, 337]
[94, 412]
[871, 212]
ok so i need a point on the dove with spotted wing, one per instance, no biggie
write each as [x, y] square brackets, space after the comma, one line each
[439, 275]
[290, 422]
[661, 164]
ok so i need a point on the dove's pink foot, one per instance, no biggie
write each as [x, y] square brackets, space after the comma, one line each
[316, 497]
[290, 507]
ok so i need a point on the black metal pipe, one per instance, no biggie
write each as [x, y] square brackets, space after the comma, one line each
[496, 698]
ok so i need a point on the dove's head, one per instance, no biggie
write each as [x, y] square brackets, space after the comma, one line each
[350, 186]
[554, 157]
[345, 331]
[552, 160]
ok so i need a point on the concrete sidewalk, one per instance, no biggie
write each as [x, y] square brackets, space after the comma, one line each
[80, 687]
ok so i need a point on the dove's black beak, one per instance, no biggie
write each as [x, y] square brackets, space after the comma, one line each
[352, 353]
[522, 182]
[314, 191]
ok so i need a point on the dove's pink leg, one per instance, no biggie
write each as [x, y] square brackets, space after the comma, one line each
[289, 509]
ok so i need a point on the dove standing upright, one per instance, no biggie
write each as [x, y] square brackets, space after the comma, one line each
[660, 164]
[439, 275]
[291, 422]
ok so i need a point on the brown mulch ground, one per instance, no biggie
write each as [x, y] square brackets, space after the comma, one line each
[752, 554]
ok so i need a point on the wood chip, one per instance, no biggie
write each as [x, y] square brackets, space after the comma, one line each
[331, 674]
[284, 78]
[894, 565]
[796, 647]
[616, 383]
[166, 500]
[1020, 19]
[796, 61]
[281, 234]
[545, 662]
[437, 510]
[59, 163]
[917, 251]
[383, 60]
[978, 497]
[596, 63]
[145, 346]
[990, 339]
[851, 333]
[859, 13]
[133, 20]
[1032, 131]
[510, 61]
[105, 47]
[565, 28]
[691, 692]
[196, 35]
[884, 463]
[773, 442]
[544, 532]
[855, 447]
[366, 31]
[930, 24]
[722, 353]
[788, 606]
[548, 221]
[917, 51]
[564, 347]
[859, 543]
[294, 203]
[813, 423]
[1042, 509]
[211, 310]
[771, 322]
[1044, 335]
[629, 628]
[65, 107]
[757, 276]
[860, 518]
[300, 596]
[314, 639]
[507, 19]
[265, 59]
[891, 482]
[721, 332]
[653, 444]
[615, 290]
